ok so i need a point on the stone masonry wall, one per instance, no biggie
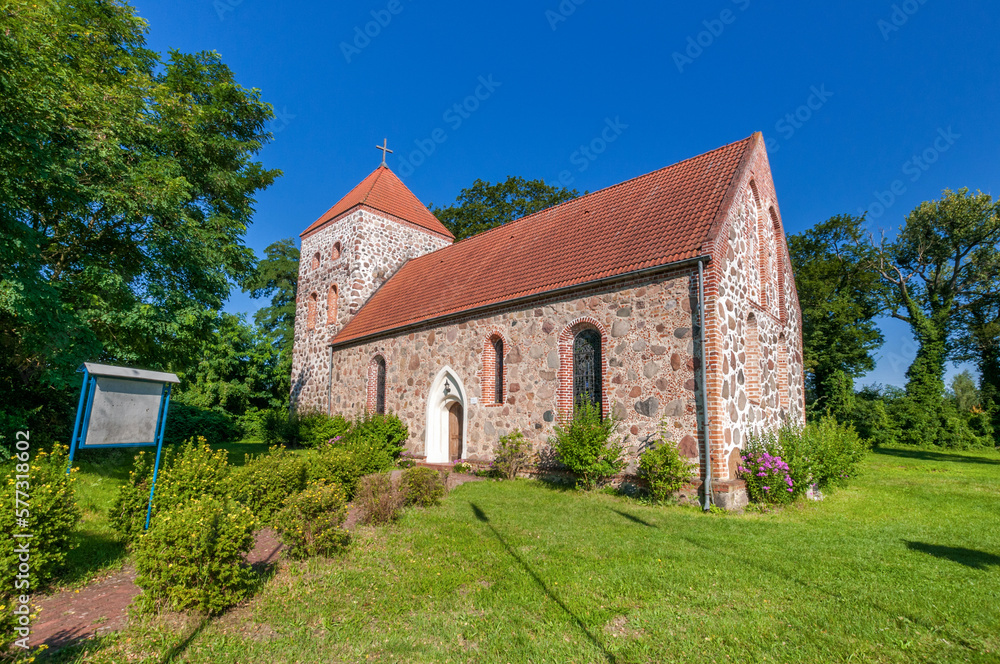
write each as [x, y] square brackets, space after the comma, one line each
[649, 353]
[750, 275]
[372, 246]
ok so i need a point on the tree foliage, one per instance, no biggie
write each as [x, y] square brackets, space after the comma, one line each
[127, 184]
[942, 264]
[840, 294]
[277, 277]
[485, 205]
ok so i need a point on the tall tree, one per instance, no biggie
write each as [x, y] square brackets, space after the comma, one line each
[277, 276]
[126, 187]
[940, 266]
[840, 294]
[484, 205]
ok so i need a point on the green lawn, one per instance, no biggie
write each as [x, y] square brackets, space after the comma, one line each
[902, 567]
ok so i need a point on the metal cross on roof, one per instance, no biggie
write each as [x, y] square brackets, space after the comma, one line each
[384, 148]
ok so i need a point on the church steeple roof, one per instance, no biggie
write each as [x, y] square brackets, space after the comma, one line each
[384, 192]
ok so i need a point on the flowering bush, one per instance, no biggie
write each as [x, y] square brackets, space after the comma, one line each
[312, 522]
[767, 478]
[422, 486]
[192, 557]
[266, 480]
[462, 466]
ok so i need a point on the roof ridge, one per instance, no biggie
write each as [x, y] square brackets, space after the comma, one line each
[600, 191]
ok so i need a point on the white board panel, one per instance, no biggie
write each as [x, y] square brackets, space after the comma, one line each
[124, 412]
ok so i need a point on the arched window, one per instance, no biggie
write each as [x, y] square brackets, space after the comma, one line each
[332, 298]
[752, 366]
[497, 344]
[587, 368]
[311, 315]
[376, 385]
[315, 261]
[335, 254]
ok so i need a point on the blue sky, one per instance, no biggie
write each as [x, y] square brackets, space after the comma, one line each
[856, 99]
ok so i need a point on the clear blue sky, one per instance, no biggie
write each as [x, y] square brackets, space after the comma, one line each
[885, 81]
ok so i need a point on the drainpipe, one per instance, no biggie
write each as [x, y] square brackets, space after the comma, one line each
[704, 385]
[329, 385]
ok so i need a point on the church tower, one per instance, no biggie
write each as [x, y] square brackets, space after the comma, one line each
[347, 254]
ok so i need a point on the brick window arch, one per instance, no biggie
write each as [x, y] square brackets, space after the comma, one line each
[332, 300]
[494, 378]
[583, 365]
[315, 261]
[376, 385]
[335, 252]
[311, 311]
[752, 365]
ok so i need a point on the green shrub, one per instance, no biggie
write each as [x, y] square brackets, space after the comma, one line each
[193, 556]
[306, 429]
[265, 481]
[836, 451]
[422, 486]
[334, 464]
[192, 470]
[185, 421]
[312, 522]
[385, 433]
[512, 455]
[127, 515]
[664, 469]
[379, 499]
[588, 445]
[51, 513]
[371, 457]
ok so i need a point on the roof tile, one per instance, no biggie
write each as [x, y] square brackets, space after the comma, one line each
[656, 219]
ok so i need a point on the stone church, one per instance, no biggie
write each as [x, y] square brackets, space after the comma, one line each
[668, 297]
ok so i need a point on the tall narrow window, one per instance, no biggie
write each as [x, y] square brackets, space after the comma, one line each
[498, 370]
[380, 385]
[752, 367]
[315, 261]
[331, 305]
[335, 254]
[587, 368]
[311, 312]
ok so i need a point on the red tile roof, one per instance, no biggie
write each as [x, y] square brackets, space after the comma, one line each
[385, 192]
[657, 219]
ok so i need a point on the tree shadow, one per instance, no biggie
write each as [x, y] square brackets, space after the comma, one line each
[633, 518]
[928, 455]
[961, 555]
[179, 648]
[92, 552]
[481, 515]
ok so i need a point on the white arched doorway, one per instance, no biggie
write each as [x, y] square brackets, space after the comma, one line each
[447, 418]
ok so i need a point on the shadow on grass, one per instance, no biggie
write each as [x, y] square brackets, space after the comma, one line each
[784, 575]
[633, 518]
[93, 552]
[179, 648]
[929, 455]
[481, 515]
[962, 556]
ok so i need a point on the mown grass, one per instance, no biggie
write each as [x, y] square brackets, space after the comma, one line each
[902, 567]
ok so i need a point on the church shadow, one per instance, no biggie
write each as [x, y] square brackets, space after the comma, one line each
[481, 516]
[633, 518]
[927, 455]
[968, 557]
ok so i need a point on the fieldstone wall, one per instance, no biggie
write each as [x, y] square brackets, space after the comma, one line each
[650, 357]
[356, 253]
[751, 276]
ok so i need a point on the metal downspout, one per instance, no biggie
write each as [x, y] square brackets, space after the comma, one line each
[704, 385]
[329, 386]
